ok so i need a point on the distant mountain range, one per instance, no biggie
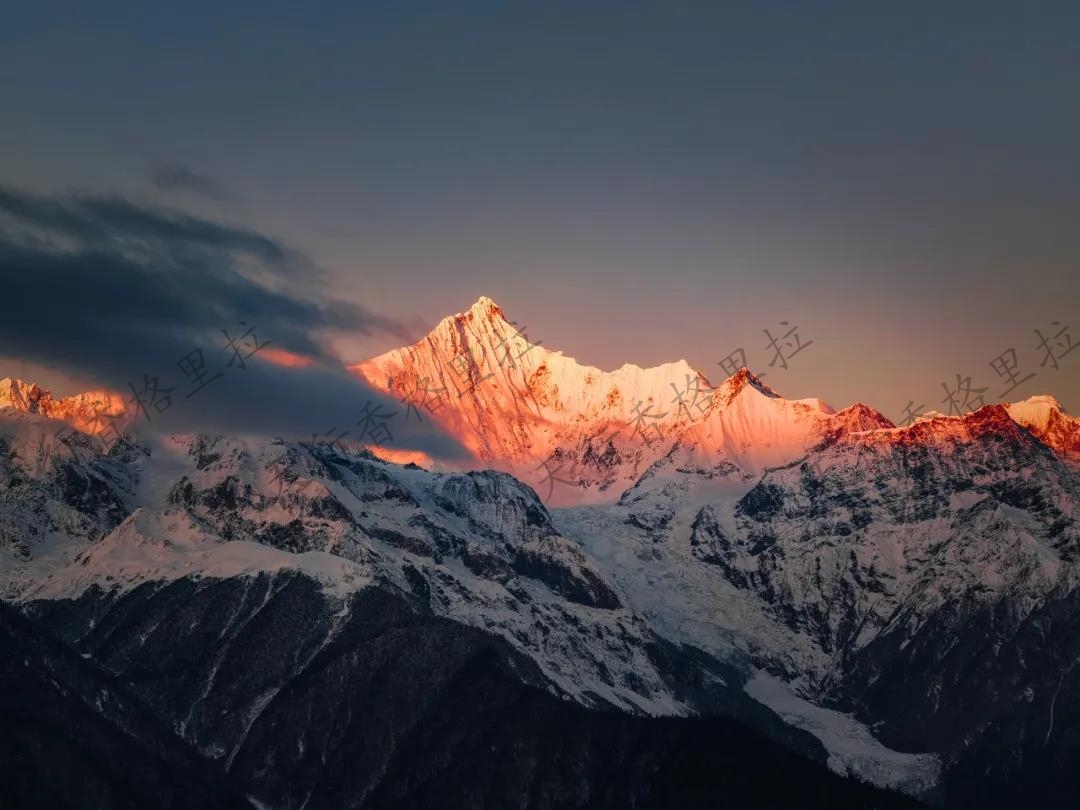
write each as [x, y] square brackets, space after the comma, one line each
[740, 582]
[516, 404]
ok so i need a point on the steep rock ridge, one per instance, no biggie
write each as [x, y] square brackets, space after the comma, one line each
[891, 509]
[53, 490]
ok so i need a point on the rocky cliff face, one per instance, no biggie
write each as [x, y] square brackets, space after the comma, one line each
[55, 490]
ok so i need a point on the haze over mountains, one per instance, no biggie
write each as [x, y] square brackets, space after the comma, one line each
[899, 603]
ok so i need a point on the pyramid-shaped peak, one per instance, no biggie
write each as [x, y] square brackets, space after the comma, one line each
[485, 308]
[859, 416]
[745, 377]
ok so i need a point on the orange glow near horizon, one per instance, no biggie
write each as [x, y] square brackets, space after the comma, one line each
[283, 357]
[395, 456]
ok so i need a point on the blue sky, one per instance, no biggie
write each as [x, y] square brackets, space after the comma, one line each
[635, 182]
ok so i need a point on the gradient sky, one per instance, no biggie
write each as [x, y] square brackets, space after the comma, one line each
[634, 182]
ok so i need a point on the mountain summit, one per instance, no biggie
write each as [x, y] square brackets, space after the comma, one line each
[518, 405]
[81, 409]
[1048, 421]
[507, 396]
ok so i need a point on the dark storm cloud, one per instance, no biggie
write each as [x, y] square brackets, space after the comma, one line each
[116, 223]
[176, 177]
[103, 287]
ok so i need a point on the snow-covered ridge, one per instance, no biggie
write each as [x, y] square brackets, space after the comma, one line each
[1047, 420]
[804, 568]
[518, 405]
[480, 546]
[84, 411]
[506, 393]
[579, 434]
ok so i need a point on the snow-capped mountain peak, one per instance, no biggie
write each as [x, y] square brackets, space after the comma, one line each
[506, 395]
[21, 395]
[743, 378]
[518, 404]
[1048, 421]
[83, 410]
[486, 308]
[1036, 411]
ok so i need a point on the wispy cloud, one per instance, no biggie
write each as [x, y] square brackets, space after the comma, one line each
[169, 176]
